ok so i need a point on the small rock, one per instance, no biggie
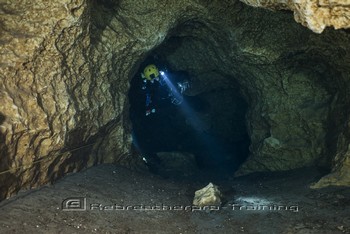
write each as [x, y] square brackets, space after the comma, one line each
[207, 196]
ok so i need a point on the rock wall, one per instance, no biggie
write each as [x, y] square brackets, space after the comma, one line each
[286, 74]
[314, 14]
[65, 68]
[42, 57]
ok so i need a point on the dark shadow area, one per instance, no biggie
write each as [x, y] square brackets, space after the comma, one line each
[7, 179]
[323, 73]
[2, 118]
[206, 133]
[3, 147]
[102, 13]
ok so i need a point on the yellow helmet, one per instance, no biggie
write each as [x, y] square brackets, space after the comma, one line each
[150, 72]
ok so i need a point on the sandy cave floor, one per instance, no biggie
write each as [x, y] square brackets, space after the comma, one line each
[108, 189]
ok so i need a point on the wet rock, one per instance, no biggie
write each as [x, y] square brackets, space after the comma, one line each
[291, 119]
[340, 175]
[208, 196]
[316, 15]
[65, 68]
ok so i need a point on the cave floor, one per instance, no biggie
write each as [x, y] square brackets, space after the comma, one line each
[301, 210]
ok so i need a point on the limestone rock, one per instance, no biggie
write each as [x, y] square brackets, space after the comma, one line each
[207, 196]
[340, 175]
[314, 14]
[64, 75]
[288, 104]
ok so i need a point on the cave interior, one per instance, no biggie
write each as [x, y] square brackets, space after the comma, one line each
[209, 127]
[209, 134]
[265, 118]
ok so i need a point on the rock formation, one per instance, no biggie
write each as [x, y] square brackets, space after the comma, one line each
[210, 195]
[314, 14]
[66, 65]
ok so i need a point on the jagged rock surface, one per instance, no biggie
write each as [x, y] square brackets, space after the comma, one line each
[314, 14]
[295, 95]
[65, 68]
[210, 195]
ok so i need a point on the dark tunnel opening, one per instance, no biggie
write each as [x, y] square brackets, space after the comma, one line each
[206, 132]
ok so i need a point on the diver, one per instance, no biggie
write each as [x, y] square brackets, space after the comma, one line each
[150, 86]
[161, 85]
[160, 89]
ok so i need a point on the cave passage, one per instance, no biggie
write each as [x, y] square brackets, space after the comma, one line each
[205, 132]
